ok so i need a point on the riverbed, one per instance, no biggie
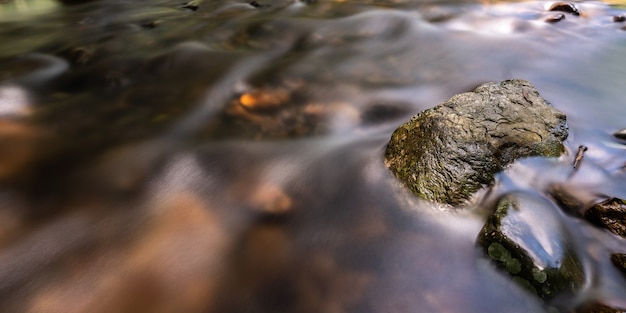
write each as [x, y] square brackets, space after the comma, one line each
[227, 156]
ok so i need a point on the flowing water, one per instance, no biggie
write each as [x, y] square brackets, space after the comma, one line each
[227, 156]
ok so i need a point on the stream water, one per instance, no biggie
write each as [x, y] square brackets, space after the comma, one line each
[227, 156]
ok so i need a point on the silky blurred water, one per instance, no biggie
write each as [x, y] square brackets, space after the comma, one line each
[227, 156]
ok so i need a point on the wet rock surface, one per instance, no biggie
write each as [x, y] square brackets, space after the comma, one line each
[523, 238]
[448, 152]
[566, 7]
[610, 214]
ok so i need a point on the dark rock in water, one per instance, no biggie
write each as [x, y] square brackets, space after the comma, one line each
[448, 152]
[523, 238]
[621, 134]
[564, 7]
[556, 18]
[565, 200]
[191, 5]
[619, 18]
[257, 5]
[610, 214]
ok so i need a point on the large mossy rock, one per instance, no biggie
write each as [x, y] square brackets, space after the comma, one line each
[448, 152]
[524, 237]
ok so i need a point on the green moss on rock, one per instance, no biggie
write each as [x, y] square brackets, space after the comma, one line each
[448, 152]
[505, 240]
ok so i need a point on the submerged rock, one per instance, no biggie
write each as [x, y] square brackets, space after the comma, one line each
[448, 152]
[523, 238]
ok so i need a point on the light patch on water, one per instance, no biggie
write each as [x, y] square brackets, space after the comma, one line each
[506, 20]
[182, 172]
[533, 226]
[499, 26]
[26, 9]
[14, 101]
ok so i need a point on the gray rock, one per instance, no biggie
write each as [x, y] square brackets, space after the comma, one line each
[448, 152]
[523, 237]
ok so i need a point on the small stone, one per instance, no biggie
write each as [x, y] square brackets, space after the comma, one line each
[555, 18]
[447, 153]
[619, 18]
[259, 99]
[191, 5]
[81, 55]
[114, 79]
[270, 199]
[566, 7]
[151, 24]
